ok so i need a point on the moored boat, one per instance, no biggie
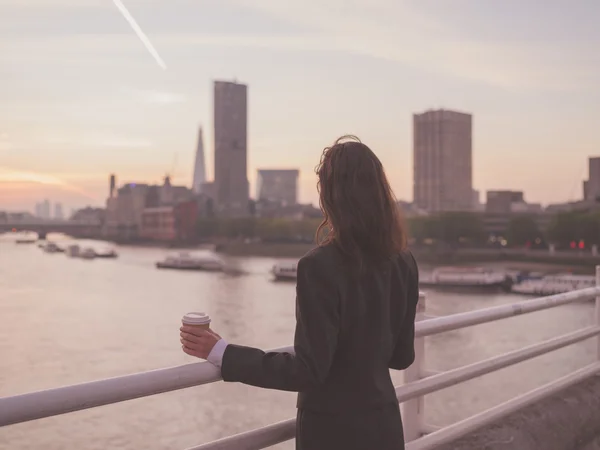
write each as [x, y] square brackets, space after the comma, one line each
[466, 278]
[554, 284]
[285, 270]
[73, 250]
[51, 247]
[106, 253]
[87, 253]
[185, 261]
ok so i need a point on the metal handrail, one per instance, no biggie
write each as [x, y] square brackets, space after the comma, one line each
[36, 405]
[282, 431]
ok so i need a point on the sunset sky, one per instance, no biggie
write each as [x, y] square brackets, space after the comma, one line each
[81, 96]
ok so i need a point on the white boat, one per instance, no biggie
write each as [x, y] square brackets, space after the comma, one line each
[106, 253]
[185, 261]
[554, 284]
[87, 253]
[51, 247]
[466, 277]
[73, 251]
[285, 270]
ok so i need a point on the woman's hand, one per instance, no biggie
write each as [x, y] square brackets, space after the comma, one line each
[198, 342]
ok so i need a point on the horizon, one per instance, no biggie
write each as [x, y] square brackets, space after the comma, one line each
[86, 97]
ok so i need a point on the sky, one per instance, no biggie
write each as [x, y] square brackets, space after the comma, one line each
[81, 96]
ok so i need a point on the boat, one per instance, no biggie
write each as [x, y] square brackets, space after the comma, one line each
[107, 253]
[467, 278]
[87, 253]
[26, 241]
[51, 247]
[185, 261]
[73, 250]
[285, 271]
[554, 284]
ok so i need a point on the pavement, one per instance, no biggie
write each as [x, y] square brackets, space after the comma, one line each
[569, 420]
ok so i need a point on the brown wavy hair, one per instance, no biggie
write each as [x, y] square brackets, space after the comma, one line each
[361, 214]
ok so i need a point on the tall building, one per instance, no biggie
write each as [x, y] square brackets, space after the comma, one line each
[278, 185]
[443, 178]
[503, 202]
[58, 211]
[231, 154]
[199, 166]
[45, 209]
[591, 187]
[112, 185]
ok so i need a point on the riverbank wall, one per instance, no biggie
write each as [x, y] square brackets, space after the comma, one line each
[519, 259]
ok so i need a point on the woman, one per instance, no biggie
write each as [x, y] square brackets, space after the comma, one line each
[356, 298]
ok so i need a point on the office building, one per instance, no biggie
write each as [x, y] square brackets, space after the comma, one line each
[58, 211]
[502, 201]
[591, 187]
[443, 178]
[42, 209]
[231, 154]
[112, 185]
[509, 202]
[199, 166]
[278, 186]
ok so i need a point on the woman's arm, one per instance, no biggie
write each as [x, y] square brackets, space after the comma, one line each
[317, 325]
[404, 351]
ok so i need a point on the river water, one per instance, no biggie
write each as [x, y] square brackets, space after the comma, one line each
[68, 321]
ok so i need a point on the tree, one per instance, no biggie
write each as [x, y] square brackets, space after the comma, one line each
[451, 228]
[463, 228]
[523, 230]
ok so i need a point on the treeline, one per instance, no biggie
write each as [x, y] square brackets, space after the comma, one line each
[576, 228]
[258, 228]
[453, 229]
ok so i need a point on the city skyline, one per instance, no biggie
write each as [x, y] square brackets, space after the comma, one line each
[84, 99]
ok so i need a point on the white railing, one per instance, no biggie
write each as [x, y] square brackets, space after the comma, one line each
[418, 382]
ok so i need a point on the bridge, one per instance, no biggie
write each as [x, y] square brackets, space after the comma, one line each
[42, 228]
[574, 397]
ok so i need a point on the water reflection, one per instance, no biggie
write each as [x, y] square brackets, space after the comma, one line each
[68, 322]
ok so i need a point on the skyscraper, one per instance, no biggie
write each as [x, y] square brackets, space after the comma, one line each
[591, 187]
[231, 156]
[58, 211]
[443, 178]
[278, 185]
[199, 166]
[45, 209]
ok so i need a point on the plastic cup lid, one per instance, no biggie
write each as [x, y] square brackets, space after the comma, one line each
[196, 318]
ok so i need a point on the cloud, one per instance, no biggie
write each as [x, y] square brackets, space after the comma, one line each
[52, 3]
[98, 141]
[397, 31]
[11, 176]
[5, 143]
[403, 32]
[155, 97]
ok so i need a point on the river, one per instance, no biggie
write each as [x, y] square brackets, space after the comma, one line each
[68, 321]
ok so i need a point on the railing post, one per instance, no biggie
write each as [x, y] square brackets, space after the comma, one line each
[413, 410]
[597, 315]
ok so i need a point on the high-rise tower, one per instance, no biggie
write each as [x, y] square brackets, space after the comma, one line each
[231, 156]
[199, 166]
[443, 174]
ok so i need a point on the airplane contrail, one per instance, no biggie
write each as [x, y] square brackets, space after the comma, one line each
[129, 18]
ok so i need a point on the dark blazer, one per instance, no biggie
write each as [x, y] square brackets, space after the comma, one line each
[352, 327]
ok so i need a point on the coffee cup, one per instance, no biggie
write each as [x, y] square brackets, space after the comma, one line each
[196, 319]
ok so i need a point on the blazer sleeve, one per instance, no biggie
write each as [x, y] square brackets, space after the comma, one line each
[404, 351]
[315, 341]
